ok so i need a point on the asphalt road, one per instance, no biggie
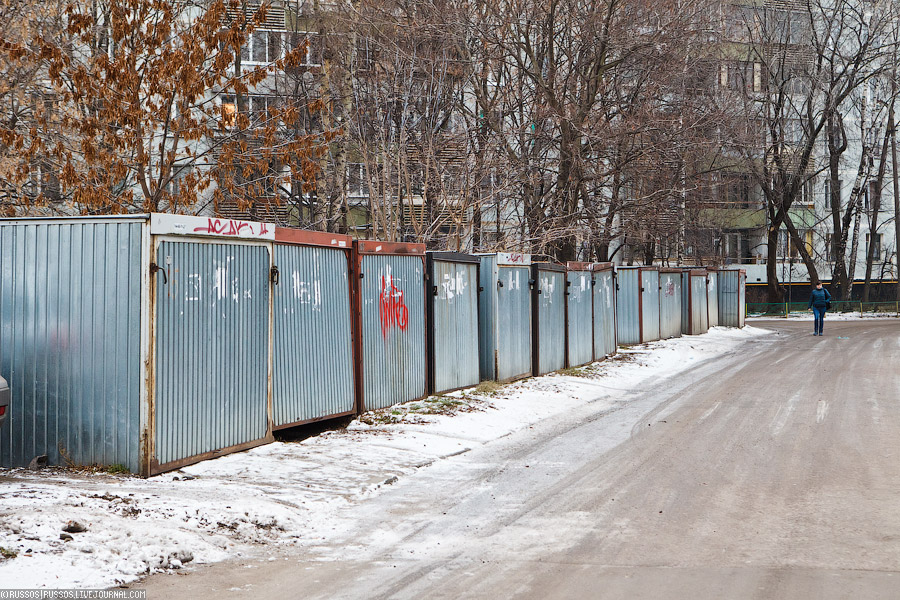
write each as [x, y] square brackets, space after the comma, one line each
[772, 472]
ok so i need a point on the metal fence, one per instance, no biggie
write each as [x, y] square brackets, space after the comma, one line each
[731, 297]
[505, 316]
[669, 303]
[313, 367]
[604, 309]
[649, 304]
[579, 314]
[70, 340]
[712, 297]
[696, 307]
[549, 317]
[452, 320]
[155, 341]
[628, 305]
[391, 297]
[211, 335]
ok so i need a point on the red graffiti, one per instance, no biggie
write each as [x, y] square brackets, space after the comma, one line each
[225, 227]
[391, 307]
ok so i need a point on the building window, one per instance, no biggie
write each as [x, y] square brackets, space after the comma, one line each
[264, 47]
[787, 248]
[261, 108]
[310, 41]
[871, 193]
[876, 255]
[229, 111]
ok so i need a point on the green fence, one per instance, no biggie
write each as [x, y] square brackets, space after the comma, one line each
[783, 309]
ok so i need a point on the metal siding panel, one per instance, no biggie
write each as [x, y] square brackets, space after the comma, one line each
[729, 298]
[70, 297]
[628, 312]
[713, 299]
[313, 375]
[669, 305]
[392, 294]
[650, 305]
[513, 322]
[551, 322]
[580, 317]
[699, 311]
[686, 302]
[211, 347]
[604, 307]
[455, 325]
[487, 317]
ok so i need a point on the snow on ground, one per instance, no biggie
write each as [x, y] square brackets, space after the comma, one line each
[284, 493]
[832, 316]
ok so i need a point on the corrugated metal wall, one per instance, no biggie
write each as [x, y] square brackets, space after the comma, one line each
[604, 313]
[742, 301]
[513, 322]
[686, 302]
[650, 304]
[312, 362]
[628, 309]
[580, 317]
[212, 348]
[487, 317]
[392, 312]
[550, 320]
[454, 325]
[70, 303]
[669, 305]
[699, 306]
[729, 282]
[713, 298]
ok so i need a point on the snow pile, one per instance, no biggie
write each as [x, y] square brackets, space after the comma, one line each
[120, 528]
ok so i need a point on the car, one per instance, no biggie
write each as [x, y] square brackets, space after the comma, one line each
[4, 400]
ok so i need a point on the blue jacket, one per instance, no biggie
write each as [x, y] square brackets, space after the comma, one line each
[819, 298]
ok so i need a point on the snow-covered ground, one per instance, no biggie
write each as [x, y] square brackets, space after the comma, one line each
[285, 493]
[832, 316]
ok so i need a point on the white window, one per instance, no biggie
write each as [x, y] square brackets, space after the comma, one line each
[264, 47]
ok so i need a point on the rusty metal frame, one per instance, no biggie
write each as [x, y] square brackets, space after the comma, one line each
[288, 235]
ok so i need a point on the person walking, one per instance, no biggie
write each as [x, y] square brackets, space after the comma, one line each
[819, 302]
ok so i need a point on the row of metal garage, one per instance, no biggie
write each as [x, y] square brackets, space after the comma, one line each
[156, 341]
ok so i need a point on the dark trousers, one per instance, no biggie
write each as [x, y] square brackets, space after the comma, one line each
[819, 312]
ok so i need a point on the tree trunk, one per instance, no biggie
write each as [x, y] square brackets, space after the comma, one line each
[775, 290]
[876, 208]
